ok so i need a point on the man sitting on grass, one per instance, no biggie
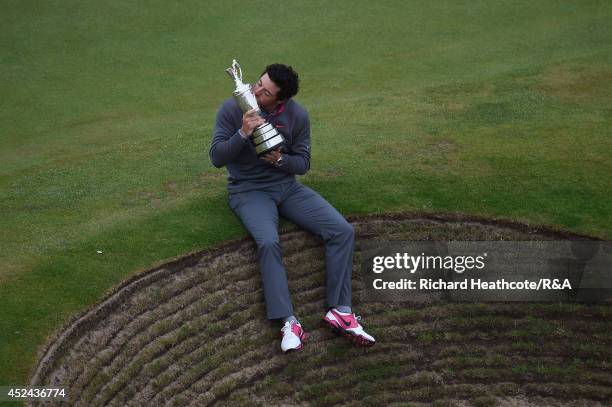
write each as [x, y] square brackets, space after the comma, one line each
[262, 188]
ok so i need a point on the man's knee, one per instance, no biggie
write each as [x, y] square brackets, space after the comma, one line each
[349, 229]
[266, 245]
[345, 230]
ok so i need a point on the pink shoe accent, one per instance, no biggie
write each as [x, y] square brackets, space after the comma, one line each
[353, 332]
[345, 321]
[297, 330]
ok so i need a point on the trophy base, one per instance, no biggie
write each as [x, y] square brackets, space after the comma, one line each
[267, 150]
[266, 138]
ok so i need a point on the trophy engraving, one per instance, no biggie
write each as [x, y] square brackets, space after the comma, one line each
[265, 137]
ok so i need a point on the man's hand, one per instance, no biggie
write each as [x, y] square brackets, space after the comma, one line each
[250, 120]
[272, 156]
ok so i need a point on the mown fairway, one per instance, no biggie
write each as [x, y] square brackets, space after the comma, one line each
[489, 108]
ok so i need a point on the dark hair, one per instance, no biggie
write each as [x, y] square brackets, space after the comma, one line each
[285, 78]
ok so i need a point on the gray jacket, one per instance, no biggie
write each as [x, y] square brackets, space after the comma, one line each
[245, 170]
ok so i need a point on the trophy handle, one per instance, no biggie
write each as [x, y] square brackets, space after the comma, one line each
[236, 68]
[235, 72]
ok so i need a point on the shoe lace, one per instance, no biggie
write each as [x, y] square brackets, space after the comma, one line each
[287, 327]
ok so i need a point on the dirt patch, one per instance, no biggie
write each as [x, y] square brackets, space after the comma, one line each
[194, 331]
[577, 83]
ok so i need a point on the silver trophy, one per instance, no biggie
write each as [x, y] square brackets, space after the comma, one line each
[265, 137]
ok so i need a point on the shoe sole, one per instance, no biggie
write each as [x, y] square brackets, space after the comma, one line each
[351, 337]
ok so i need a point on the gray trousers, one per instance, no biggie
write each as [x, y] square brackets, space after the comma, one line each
[258, 210]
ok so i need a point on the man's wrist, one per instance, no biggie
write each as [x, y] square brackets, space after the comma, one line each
[244, 136]
[279, 161]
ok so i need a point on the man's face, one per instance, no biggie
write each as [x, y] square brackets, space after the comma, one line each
[265, 92]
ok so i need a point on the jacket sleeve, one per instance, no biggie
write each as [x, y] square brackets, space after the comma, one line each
[227, 141]
[298, 162]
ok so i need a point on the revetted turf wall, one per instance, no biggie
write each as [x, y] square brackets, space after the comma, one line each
[194, 331]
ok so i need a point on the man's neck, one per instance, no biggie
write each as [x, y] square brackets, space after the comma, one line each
[272, 109]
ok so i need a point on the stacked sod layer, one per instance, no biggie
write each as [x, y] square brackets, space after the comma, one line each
[194, 331]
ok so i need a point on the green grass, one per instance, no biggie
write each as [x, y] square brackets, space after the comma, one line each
[107, 110]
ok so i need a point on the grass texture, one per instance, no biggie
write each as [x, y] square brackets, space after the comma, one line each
[491, 108]
[196, 333]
